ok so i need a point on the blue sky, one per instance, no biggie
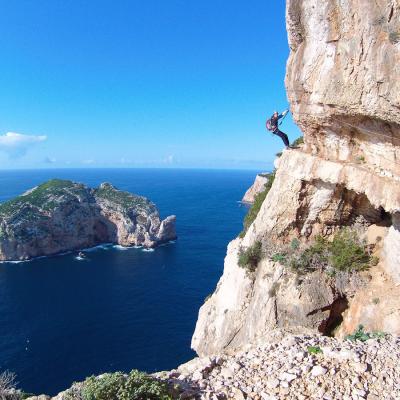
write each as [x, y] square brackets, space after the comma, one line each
[176, 83]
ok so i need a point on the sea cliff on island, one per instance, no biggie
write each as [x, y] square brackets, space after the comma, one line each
[61, 215]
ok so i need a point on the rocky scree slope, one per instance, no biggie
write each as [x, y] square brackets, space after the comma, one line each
[296, 367]
[61, 215]
[284, 367]
[342, 80]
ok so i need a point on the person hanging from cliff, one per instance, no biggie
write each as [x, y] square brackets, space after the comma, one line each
[273, 126]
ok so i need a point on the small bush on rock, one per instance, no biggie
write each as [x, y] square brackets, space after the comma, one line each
[140, 386]
[311, 258]
[103, 387]
[279, 257]
[250, 257]
[345, 253]
[363, 336]
[297, 142]
[117, 386]
[314, 350]
[8, 390]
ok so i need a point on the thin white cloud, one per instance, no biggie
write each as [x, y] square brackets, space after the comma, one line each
[169, 159]
[50, 160]
[16, 144]
[88, 162]
[124, 160]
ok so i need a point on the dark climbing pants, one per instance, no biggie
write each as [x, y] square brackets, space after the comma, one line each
[283, 136]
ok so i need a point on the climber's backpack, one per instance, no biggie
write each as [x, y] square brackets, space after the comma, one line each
[269, 125]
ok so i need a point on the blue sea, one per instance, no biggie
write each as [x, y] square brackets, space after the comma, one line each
[62, 319]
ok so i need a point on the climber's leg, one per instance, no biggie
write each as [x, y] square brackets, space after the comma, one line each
[283, 136]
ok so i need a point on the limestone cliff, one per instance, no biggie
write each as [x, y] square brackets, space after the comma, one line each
[343, 84]
[256, 188]
[59, 216]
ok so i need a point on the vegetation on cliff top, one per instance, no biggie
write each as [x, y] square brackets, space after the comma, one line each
[42, 196]
[123, 199]
[47, 196]
[118, 386]
[136, 385]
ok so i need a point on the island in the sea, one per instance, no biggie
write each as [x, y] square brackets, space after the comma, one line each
[60, 215]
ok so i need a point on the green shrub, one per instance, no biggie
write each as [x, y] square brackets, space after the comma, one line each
[258, 201]
[117, 386]
[279, 257]
[363, 336]
[345, 253]
[314, 350]
[140, 386]
[360, 159]
[250, 257]
[311, 258]
[104, 387]
[297, 142]
[295, 244]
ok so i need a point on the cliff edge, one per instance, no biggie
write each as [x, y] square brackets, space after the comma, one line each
[335, 199]
[60, 215]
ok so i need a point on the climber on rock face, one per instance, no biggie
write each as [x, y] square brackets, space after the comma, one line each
[273, 126]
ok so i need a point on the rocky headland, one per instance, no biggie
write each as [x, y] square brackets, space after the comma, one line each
[60, 215]
[256, 188]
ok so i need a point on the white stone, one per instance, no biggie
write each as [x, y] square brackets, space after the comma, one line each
[318, 371]
[285, 376]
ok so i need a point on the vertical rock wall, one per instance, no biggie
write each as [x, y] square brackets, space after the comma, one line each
[343, 84]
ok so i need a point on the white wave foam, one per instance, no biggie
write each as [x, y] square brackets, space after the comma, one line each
[104, 246]
[167, 243]
[120, 248]
[25, 261]
[14, 262]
